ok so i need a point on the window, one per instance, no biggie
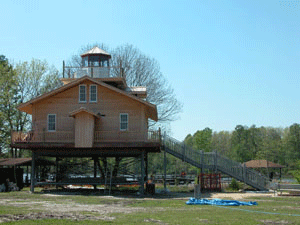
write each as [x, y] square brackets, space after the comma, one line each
[82, 93]
[123, 121]
[93, 93]
[51, 122]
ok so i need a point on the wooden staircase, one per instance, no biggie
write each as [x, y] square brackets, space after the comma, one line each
[214, 161]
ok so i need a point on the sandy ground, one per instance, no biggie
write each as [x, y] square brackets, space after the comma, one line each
[237, 196]
[71, 210]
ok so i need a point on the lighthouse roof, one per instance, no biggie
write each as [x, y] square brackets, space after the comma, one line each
[95, 51]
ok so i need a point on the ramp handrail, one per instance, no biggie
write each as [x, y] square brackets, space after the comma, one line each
[214, 160]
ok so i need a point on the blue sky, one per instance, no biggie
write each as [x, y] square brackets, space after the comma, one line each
[229, 62]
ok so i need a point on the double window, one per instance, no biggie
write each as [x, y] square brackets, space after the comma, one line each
[83, 93]
[51, 122]
[124, 121]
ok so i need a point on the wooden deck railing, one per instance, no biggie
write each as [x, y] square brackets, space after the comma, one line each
[69, 137]
[106, 136]
[59, 137]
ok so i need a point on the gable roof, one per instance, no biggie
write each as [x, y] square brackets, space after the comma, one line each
[262, 164]
[83, 109]
[27, 106]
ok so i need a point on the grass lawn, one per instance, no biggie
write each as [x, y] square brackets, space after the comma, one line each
[40, 208]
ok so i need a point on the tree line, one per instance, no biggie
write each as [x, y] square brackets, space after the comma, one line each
[279, 145]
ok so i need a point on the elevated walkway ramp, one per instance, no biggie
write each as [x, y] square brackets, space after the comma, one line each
[214, 161]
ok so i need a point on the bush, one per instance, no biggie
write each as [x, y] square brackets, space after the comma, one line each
[296, 172]
[234, 185]
[296, 175]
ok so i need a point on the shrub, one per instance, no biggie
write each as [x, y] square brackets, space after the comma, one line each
[234, 185]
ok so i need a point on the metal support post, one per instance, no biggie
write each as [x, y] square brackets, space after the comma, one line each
[245, 173]
[202, 161]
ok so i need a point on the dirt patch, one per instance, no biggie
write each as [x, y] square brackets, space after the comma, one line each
[155, 221]
[36, 216]
[71, 210]
[238, 196]
[271, 222]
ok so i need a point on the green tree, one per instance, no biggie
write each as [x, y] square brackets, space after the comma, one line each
[241, 148]
[8, 101]
[188, 140]
[202, 140]
[270, 147]
[291, 144]
[221, 142]
[18, 85]
[35, 78]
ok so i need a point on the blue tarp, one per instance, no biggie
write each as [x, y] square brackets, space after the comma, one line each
[193, 201]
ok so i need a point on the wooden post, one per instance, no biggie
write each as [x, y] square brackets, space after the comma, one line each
[95, 170]
[32, 172]
[142, 173]
[27, 173]
[280, 174]
[111, 171]
[56, 171]
[146, 166]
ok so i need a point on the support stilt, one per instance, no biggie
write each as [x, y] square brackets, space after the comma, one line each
[142, 173]
[146, 166]
[33, 172]
[95, 170]
[56, 171]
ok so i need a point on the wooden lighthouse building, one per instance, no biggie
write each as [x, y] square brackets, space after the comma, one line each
[94, 114]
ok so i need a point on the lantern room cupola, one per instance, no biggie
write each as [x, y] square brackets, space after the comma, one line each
[95, 57]
[95, 63]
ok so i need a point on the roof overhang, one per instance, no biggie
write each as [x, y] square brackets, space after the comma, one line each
[262, 164]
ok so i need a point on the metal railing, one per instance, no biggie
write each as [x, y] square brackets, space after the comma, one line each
[214, 161]
[93, 71]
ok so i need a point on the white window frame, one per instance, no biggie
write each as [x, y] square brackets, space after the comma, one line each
[127, 122]
[93, 85]
[82, 85]
[48, 121]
